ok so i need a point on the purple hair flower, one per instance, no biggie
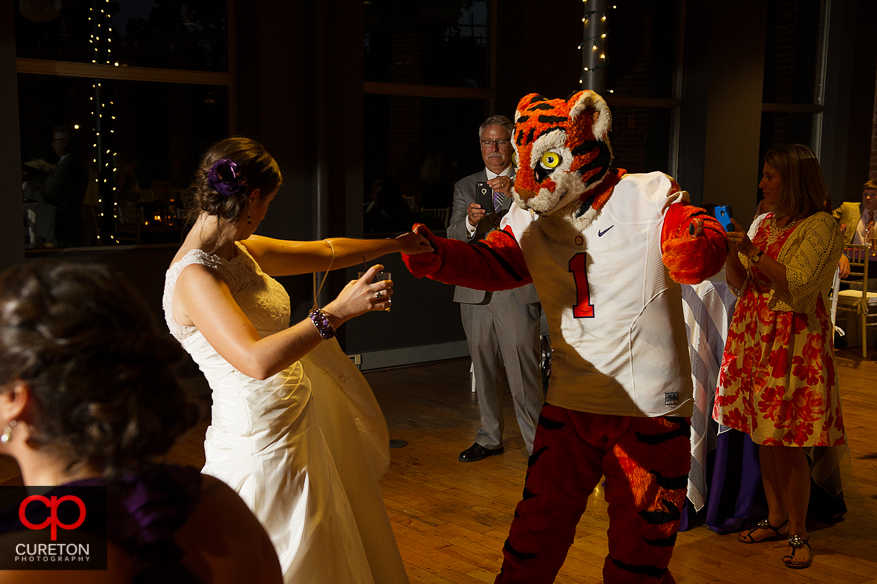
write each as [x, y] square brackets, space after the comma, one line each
[226, 178]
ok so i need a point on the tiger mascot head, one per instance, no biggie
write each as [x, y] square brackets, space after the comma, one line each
[562, 152]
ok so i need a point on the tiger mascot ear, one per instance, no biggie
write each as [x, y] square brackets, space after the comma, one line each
[599, 120]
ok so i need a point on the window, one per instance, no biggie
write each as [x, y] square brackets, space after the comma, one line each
[182, 34]
[430, 42]
[792, 97]
[144, 86]
[424, 145]
[792, 74]
[641, 84]
[427, 86]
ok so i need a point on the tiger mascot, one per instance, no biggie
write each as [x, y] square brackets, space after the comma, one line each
[607, 251]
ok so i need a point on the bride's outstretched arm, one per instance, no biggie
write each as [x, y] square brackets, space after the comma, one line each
[279, 257]
[203, 299]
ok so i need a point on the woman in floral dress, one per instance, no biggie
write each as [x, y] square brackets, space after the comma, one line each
[778, 380]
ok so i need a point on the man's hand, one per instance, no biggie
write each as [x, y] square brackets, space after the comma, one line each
[475, 213]
[501, 184]
[844, 265]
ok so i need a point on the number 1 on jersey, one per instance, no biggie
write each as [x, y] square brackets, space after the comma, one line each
[583, 307]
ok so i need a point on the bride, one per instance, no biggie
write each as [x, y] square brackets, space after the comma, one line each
[265, 439]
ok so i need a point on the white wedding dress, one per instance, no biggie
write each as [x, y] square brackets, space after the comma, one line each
[303, 448]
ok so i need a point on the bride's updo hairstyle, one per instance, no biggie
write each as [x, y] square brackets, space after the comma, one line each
[99, 369]
[228, 172]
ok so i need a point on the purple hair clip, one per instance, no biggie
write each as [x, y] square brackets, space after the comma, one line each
[226, 178]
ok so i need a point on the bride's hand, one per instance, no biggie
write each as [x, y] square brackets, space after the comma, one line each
[412, 243]
[360, 296]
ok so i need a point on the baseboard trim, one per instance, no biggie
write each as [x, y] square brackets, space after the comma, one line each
[412, 355]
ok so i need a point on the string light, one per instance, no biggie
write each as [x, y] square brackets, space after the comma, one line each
[595, 35]
[100, 39]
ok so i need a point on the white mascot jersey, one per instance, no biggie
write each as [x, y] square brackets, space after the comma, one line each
[614, 314]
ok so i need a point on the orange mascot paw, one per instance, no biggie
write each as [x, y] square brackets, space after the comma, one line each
[693, 244]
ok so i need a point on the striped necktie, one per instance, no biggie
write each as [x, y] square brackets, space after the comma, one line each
[498, 200]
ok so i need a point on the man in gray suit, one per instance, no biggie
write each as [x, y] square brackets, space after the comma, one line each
[502, 328]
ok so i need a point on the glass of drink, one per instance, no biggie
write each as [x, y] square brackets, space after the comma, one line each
[378, 277]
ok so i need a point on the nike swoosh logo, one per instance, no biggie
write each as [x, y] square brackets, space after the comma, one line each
[602, 232]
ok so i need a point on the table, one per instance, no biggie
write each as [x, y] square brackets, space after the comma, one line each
[707, 308]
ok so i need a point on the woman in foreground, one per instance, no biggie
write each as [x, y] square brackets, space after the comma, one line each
[778, 381]
[88, 398]
[265, 441]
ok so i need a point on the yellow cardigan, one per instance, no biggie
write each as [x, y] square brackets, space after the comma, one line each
[810, 255]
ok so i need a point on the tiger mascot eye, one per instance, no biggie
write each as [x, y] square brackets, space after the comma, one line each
[607, 251]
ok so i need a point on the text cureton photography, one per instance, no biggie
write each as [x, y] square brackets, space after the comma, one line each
[52, 552]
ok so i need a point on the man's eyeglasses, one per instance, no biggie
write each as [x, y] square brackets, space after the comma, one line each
[500, 143]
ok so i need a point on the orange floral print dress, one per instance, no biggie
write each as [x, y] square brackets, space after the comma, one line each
[778, 380]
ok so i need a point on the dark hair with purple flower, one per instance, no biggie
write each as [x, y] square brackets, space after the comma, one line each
[229, 171]
[226, 177]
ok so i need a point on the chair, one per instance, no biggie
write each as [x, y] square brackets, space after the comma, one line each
[857, 299]
[443, 215]
[832, 296]
[128, 221]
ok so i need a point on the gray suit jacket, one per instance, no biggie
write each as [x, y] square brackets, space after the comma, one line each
[464, 193]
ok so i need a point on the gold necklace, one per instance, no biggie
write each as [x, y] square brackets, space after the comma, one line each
[774, 232]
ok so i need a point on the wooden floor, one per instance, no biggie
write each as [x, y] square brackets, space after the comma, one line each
[451, 518]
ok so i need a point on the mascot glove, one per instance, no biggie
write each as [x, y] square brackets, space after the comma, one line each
[424, 264]
[693, 260]
[694, 246]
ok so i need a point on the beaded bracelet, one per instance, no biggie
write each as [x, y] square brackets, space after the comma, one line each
[321, 321]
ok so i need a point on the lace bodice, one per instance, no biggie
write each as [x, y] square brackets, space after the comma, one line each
[262, 298]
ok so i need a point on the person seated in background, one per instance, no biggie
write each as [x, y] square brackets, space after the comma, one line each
[88, 398]
[59, 217]
[857, 226]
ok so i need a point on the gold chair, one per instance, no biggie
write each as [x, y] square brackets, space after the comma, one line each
[857, 299]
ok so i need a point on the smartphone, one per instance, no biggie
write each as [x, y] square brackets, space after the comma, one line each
[724, 214]
[484, 196]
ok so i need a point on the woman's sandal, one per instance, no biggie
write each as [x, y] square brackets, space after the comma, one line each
[766, 526]
[797, 542]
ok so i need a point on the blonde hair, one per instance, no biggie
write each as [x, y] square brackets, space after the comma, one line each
[804, 192]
